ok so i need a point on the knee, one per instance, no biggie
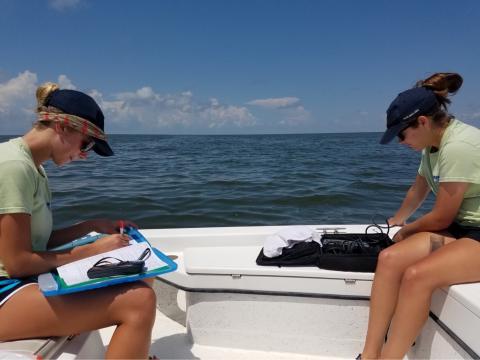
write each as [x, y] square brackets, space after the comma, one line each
[416, 277]
[388, 261]
[140, 305]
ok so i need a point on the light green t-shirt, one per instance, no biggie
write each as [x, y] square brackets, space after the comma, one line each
[457, 160]
[24, 189]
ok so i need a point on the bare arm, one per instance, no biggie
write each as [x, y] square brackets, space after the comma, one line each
[104, 226]
[415, 196]
[20, 260]
[449, 199]
[63, 236]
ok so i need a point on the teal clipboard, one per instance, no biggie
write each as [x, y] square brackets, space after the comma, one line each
[52, 285]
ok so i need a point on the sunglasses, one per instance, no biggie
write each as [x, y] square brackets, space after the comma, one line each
[87, 145]
[401, 134]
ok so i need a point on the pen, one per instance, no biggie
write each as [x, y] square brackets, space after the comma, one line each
[78, 242]
[122, 227]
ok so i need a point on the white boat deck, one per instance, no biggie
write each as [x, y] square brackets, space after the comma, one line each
[171, 341]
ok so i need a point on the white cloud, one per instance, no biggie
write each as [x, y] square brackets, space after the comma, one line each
[219, 115]
[276, 103]
[142, 110]
[61, 5]
[289, 110]
[17, 91]
[17, 103]
[295, 116]
[153, 111]
[65, 83]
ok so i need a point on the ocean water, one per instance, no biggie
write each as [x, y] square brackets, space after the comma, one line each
[163, 181]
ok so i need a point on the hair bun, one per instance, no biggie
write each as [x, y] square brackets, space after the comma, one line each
[43, 93]
[442, 84]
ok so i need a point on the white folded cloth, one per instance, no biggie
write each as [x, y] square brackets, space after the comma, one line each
[286, 238]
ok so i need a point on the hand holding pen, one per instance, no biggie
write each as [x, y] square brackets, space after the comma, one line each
[119, 237]
[122, 226]
[107, 226]
[111, 242]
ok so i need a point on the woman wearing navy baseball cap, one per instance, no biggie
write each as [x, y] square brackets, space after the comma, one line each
[432, 251]
[69, 124]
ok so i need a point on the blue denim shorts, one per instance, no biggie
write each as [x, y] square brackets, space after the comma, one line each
[8, 286]
[462, 231]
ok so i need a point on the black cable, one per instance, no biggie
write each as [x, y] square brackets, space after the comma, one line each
[379, 227]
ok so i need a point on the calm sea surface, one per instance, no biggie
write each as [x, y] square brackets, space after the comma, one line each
[197, 181]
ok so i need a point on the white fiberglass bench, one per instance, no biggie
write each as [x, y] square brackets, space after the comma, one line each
[226, 293]
[31, 348]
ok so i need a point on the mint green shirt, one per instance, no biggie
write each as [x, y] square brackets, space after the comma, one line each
[457, 160]
[24, 189]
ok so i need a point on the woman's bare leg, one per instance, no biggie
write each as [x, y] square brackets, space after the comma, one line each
[391, 265]
[131, 307]
[454, 263]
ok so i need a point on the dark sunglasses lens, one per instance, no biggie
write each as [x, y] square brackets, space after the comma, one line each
[401, 134]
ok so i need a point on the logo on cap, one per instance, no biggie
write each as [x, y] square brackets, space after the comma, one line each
[411, 114]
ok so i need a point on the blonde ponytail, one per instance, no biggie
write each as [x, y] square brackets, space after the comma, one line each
[43, 92]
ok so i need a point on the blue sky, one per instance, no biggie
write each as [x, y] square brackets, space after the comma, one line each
[235, 67]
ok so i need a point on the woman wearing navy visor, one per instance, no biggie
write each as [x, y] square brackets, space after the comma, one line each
[69, 124]
[442, 247]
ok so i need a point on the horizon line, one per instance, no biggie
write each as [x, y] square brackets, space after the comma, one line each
[232, 134]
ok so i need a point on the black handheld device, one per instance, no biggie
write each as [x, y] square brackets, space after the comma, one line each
[106, 268]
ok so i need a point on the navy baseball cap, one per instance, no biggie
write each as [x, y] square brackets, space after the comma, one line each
[406, 107]
[79, 104]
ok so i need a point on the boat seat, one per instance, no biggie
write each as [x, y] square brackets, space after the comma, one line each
[233, 269]
[242, 260]
[41, 348]
[458, 308]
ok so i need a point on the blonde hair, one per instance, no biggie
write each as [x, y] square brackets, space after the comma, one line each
[42, 94]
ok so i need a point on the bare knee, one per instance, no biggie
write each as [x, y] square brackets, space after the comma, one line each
[389, 261]
[139, 306]
[418, 277]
